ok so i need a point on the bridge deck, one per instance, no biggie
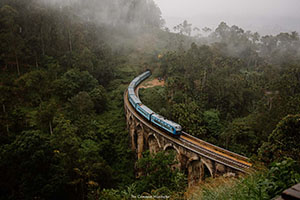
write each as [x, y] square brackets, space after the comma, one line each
[215, 151]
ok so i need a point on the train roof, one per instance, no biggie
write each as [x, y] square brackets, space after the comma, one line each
[148, 110]
[131, 91]
[136, 79]
[167, 121]
[143, 74]
[135, 99]
[132, 84]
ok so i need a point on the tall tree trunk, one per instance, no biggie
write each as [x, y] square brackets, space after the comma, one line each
[36, 61]
[17, 62]
[70, 47]
[42, 41]
[248, 62]
[70, 41]
[203, 80]
[50, 127]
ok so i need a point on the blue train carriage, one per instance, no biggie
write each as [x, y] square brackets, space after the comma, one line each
[168, 125]
[145, 75]
[142, 77]
[134, 100]
[131, 91]
[176, 127]
[132, 84]
[137, 80]
[145, 111]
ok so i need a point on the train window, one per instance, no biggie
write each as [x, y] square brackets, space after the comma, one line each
[162, 124]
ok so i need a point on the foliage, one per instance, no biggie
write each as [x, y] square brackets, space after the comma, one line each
[99, 98]
[74, 81]
[250, 96]
[190, 117]
[284, 140]
[31, 166]
[157, 173]
[212, 124]
[260, 185]
[283, 175]
[184, 28]
[151, 96]
[238, 134]
[62, 134]
[82, 103]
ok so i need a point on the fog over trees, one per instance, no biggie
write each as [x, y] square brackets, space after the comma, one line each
[265, 17]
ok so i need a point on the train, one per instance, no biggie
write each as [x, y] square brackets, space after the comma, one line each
[171, 127]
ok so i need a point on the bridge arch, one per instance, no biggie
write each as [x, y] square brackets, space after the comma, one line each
[130, 119]
[194, 170]
[153, 143]
[209, 166]
[194, 158]
[171, 147]
[219, 169]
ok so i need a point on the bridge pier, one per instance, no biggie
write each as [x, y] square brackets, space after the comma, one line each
[132, 137]
[219, 169]
[140, 142]
[209, 164]
[171, 148]
[194, 171]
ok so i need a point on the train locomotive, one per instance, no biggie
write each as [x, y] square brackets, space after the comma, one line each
[154, 118]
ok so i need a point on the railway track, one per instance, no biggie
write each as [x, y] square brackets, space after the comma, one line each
[216, 155]
[212, 148]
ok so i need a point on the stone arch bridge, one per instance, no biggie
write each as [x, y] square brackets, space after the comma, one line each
[196, 157]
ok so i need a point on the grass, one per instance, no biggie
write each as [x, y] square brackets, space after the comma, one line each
[243, 188]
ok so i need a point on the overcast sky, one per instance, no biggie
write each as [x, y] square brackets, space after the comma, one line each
[264, 16]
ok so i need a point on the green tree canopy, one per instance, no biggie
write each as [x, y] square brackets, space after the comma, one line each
[74, 81]
[158, 173]
[284, 140]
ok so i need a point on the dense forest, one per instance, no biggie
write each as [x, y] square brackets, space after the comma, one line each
[64, 66]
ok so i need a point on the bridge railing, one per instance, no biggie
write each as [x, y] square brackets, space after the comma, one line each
[216, 148]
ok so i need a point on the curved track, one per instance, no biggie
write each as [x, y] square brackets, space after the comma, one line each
[196, 145]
